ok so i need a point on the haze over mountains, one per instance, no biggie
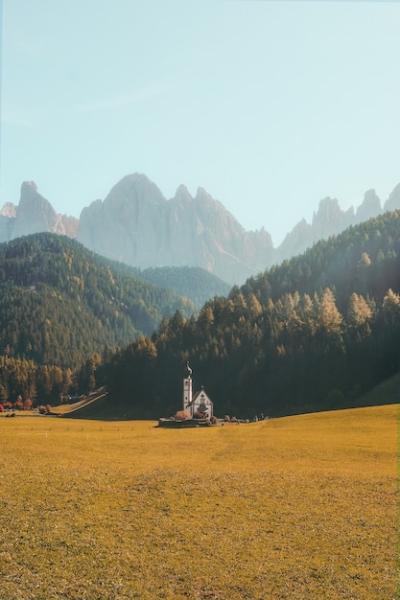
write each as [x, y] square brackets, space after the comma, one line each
[34, 214]
[137, 225]
[145, 229]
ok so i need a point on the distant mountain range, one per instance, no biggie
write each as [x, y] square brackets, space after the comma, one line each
[137, 225]
[330, 220]
[34, 214]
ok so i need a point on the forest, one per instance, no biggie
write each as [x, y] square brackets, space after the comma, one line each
[313, 333]
[191, 282]
[59, 302]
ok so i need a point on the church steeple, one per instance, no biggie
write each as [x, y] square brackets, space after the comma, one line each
[187, 389]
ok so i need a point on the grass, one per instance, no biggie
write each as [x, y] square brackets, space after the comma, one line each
[296, 508]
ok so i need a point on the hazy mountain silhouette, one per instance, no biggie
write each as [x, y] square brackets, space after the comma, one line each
[137, 225]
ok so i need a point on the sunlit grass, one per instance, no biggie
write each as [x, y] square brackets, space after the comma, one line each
[296, 508]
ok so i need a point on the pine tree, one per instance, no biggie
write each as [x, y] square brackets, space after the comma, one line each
[359, 311]
[365, 260]
[391, 308]
[329, 317]
[254, 305]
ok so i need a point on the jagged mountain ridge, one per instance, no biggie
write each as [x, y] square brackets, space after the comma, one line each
[330, 220]
[34, 214]
[146, 230]
[137, 225]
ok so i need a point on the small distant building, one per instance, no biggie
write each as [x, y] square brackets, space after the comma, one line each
[199, 403]
[198, 408]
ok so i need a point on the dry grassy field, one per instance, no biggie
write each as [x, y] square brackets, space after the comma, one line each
[296, 508]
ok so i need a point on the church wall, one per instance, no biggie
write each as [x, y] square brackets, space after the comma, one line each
[202, 403]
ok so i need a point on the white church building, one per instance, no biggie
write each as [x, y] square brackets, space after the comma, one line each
[199, 404]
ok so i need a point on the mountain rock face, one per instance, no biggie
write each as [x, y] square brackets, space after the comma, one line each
[329, 220]
[135, 224]
[66, 225]
[370, 207]
[34, 214]
[296, 241]
[393, 202]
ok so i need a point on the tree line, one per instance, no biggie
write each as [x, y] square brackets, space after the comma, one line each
[315, 332]
[23, 382]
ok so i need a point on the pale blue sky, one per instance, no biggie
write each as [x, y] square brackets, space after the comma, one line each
[268, 105]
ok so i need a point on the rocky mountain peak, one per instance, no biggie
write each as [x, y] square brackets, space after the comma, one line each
[329, 218]
[296, 241]
[133, 189]
[67, 225]
[201, 193]
[34, 213]
[28, 186]
[182, 194]
[137, 225]
[370, 207]
[393, 202]
[328, 209]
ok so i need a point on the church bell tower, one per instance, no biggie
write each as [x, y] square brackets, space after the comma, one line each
[187, 390]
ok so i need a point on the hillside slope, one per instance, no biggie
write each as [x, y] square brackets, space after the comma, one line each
[315, 333]
[191, 282]
[59, 302]
[363, 259]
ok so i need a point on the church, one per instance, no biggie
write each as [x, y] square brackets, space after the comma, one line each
[197, 409]
[199, 405]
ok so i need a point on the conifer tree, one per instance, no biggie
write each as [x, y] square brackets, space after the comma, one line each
[329, 317]
[359, 311]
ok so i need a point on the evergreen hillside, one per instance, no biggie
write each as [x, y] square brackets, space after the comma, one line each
[59, 302]
[314, 333]
[194, 283]
[363, 259]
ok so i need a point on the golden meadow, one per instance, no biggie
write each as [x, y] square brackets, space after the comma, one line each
[294, 508]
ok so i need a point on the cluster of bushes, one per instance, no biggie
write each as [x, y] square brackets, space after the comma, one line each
[19, 404]
[24, 405]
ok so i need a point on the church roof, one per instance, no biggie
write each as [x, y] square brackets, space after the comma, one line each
[197, 394]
